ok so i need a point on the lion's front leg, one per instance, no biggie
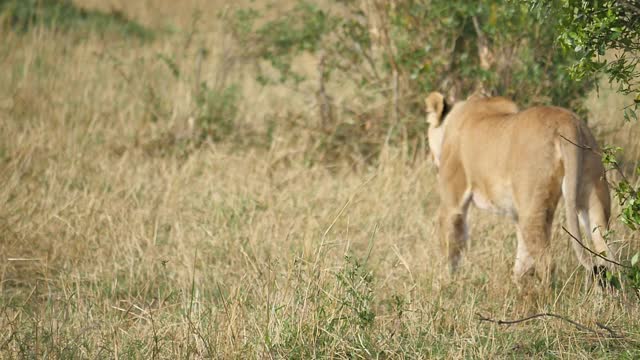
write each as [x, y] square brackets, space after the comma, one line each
[455, 197]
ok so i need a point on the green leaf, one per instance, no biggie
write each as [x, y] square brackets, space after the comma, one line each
[171, 64]
[634, 259]
[613, 280]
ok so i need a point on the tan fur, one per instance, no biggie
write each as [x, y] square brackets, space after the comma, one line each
[517, 163]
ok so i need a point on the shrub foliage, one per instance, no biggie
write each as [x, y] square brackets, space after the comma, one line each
[392, 53]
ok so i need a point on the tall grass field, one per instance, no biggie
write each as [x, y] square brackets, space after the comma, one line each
[157, 203]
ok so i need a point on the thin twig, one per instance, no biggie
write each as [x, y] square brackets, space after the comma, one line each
[585, 147]
[324, 100]
[396, 106]
[612, 334]
[593, 252]
[156, 343]
[610, 330]
[484, 53]
[197, 86]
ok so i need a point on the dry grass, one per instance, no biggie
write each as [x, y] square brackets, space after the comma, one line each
[115, 243]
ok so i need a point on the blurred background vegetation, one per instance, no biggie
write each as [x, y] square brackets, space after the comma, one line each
[385, 54]
[392, 53]
[63, 15]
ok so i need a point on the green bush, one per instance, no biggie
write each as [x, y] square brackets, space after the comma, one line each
[398, 51]
[22, 15]
[217, 110]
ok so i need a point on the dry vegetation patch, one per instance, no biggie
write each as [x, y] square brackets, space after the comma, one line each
[123, 234]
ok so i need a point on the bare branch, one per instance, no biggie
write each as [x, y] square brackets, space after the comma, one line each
[396, 106]
[585, 147]
[484, 53]
[610, 330]
[611, 333]
[324, 100]
[593, 252]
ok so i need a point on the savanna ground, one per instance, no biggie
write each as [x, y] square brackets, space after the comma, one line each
[121, 239]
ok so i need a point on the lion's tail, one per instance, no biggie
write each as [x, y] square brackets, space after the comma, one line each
[569, 141]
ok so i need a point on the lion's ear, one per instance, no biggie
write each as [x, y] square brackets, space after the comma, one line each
[435, 105]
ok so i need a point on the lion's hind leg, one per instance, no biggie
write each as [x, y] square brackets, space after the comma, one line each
[534, 229]
[594, 219]
[453, 224]
[524, 264]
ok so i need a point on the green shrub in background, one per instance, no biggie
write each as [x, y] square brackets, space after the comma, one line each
[22, 15]
[590, 29]
[398, 51]
[441, 43]
[216, 111]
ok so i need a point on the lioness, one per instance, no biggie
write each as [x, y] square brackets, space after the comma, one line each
[518, 163]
